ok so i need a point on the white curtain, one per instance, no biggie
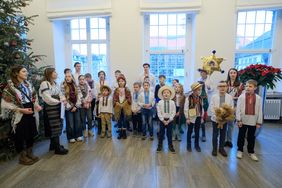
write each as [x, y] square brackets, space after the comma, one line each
[60, 9]
[258, 4]
[170, 5]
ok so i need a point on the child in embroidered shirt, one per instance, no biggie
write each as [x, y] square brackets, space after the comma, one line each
[179, 100]
[166, 111]
[218, 100]
[105, 111]
[136, 110]
[147, 101]
[234, 88]
[193, 110]
[249, 117]
[85, 111]
[122, 106]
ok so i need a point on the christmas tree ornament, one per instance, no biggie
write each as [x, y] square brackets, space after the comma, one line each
[211, 63]
[6, 44]
[25, 23]
[17, 35]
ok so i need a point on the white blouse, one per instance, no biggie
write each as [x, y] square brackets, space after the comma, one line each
[47, 90]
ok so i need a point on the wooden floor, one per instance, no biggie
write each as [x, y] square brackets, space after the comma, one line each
[134, 163]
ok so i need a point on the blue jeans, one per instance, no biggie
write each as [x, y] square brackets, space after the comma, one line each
[147, 116]
[230, 126]
[222, 133]
[73, 124]
[86, 113]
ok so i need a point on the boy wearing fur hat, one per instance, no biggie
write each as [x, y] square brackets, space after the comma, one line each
[106, 110]
[249, 117]
[166, 111]
[122, 106]
[217, 101]
[193, 110]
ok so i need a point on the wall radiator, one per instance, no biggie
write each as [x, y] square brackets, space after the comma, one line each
[272, 109]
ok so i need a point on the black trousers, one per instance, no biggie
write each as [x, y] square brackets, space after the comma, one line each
[137, 122]
[250, 138]
[222, 134]
[195, 126]
[25, 131]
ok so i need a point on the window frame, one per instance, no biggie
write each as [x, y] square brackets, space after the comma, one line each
[186, 52]
[88, 43]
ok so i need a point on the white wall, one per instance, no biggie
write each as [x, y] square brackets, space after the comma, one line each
[215, 28]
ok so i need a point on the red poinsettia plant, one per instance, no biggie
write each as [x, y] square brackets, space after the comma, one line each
[266, 76]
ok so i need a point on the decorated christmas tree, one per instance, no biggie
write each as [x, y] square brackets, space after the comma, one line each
[15, 47]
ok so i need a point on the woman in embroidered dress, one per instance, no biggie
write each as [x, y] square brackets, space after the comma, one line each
[20, 99]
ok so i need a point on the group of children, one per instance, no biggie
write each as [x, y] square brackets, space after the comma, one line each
[171, 107]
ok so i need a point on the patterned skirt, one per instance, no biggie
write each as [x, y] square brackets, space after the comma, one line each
[52, 120]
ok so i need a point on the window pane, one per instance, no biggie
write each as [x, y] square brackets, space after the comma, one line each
[102, 23]
[83, 49]
[181, 30]
[243, 60]
[75, 34]
[241, 17]
[95, 48]
[269, 16]
[260, 17]
[162, 43]
[102, 34]
[94, 22]
[82, 23]
[267, 27]
[250, 29]
[259, 30]
[181, 19]
[154, 19]
[162, 19]
[240, 30]
[163, 31]
[171, 31]
[154, 43]
[251, 16]
[171, 65]
[181, 43]
[74, 24]
[103, 49]
[83, 34]
[171, 44]
[94, 34]
[172, 19]
[154, 31]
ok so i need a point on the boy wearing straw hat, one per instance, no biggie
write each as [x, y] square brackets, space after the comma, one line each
[166, 111]
[106, 110]
[193, 110]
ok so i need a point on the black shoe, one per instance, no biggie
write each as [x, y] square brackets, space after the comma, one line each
[222, 152]
[189, 148]
[124, 136]
[52, 144]
[204, 139]
[228, 144]
[129, 129]
[143, 137]
[151, 137]
[119, 135]
[198, 149]
[60, 150]
[214, 152]
[193, 136]
[171, 149]
[160, 148]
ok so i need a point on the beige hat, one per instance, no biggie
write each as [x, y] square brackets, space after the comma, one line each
[195, 86]
[105, 87]
[172, 91]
